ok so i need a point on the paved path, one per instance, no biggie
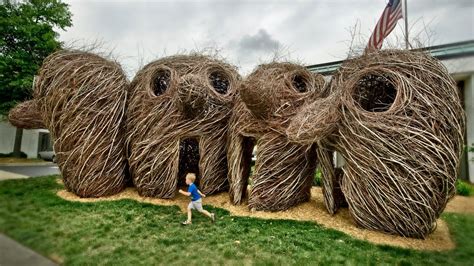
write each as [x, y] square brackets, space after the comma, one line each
[4, 175]
[14, 254]
[25, 171]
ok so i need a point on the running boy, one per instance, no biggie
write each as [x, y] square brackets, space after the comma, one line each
[196, 201]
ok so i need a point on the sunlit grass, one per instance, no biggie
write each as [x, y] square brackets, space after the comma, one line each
[126, 232]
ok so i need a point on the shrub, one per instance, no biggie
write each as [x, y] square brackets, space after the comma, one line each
[464, 189]
[317, 178]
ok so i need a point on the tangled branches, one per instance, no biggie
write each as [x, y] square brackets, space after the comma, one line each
[81, 98]
[283, 175]
[180, 101]
[26, 115]
[400, 129]
[395, 116]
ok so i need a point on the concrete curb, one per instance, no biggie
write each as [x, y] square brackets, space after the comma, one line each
[14, 253]
[5, 175]
[29, 164]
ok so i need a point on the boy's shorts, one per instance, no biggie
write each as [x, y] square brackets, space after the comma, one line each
[196, 205]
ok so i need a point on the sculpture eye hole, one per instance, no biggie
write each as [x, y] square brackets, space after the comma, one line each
[219, 81]
[161, 82]
[375, 93]
[300, 83]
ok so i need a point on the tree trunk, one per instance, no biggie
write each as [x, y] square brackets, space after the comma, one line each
[17, 147]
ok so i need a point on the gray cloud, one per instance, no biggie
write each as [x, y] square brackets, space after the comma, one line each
[247, 32]
[259, 42]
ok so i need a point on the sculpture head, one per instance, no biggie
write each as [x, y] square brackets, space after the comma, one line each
[81, 97]
[195, 85]
[268, 99]
[398, 122]
[275, 91]
[179, 100]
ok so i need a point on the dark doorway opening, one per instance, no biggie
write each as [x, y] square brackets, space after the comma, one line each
[188, 160]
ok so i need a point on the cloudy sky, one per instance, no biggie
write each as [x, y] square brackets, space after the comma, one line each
[247, 33]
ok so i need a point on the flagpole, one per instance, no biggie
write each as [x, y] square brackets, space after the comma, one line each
[406, 23]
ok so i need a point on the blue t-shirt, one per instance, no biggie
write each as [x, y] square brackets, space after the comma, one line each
[194, 192]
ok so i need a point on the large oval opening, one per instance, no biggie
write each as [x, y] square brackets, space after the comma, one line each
[374, 93]
[161, 81]
[219, 81]
[300, 83]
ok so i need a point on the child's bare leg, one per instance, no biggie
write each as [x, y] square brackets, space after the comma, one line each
[208, 214]
[190, 215]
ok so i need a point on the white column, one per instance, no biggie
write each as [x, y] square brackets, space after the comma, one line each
[29, 142]
[339, 160]
[469, 109]
[7, 136]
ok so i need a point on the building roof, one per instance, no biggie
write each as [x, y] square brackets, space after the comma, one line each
[441, 52]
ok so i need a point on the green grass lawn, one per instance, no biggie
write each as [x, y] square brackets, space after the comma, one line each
[127, 232]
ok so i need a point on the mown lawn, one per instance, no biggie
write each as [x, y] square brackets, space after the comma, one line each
[127, 232]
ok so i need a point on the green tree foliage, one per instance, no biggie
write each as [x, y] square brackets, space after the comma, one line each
[27, 36]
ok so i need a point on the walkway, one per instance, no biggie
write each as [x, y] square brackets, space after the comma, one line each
[14, 254]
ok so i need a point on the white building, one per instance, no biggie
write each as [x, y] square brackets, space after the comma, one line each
[459, 60]
[33, 140]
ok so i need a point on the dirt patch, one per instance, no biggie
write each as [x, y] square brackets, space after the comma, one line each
[313, 210]
[460, 204]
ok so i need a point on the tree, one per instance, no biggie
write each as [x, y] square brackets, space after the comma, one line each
[27, 36]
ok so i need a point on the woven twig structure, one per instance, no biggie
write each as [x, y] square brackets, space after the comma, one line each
[82, 98]
[180, 103]
[25, 115]
[331, 181]
[284, 171]
[395, 116]
[398, 122]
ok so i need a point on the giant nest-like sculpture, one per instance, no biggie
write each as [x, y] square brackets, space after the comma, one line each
[395, 117]
[180, 99]
[284, 171]
[81, 98]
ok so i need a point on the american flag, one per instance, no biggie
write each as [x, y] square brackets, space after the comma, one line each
[387, 22]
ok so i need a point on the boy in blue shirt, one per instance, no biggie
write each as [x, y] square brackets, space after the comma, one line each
[196, 200]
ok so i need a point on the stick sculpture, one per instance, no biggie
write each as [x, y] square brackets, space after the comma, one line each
[395, 116]
[283, 175]
[177, 100]
[397, 120]
[80, 97]
[26, 115]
